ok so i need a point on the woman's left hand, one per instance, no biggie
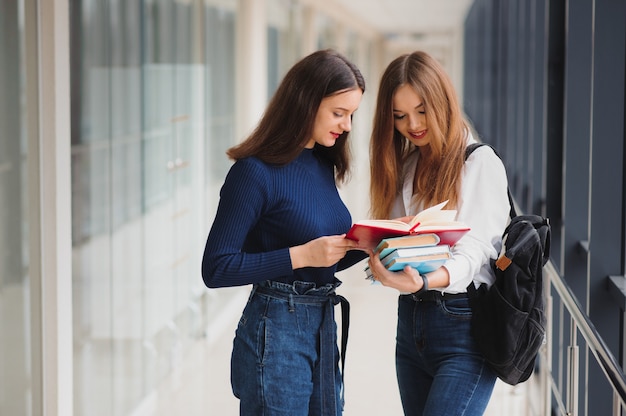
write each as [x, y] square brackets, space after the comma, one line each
[407, 280]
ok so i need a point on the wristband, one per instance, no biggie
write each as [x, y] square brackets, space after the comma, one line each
[425, 280]
[424, 287]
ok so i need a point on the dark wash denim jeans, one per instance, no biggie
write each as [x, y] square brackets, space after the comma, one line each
[439, 369]
[285, 355]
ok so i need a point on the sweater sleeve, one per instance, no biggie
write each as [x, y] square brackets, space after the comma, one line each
[243, 198]
[485, 208]
[351, 258]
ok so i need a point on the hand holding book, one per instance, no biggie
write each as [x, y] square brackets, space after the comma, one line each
[407, 278]
[423, 258]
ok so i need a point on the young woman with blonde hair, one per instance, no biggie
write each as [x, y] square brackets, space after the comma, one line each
[418, 160]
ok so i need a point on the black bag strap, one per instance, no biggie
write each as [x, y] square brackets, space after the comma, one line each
[470, 149]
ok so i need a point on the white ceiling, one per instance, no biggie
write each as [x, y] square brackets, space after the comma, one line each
[435, 26]
[412, 18]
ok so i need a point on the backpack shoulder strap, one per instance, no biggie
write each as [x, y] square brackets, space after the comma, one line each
[470, 149]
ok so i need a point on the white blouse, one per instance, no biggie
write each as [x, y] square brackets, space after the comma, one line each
[484, 207]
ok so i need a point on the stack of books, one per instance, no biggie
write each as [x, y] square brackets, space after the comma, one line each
[423, 252]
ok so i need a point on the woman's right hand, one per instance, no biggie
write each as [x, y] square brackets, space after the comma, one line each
[321, 252]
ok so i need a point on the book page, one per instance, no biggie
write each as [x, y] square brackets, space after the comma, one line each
[388, 224]
[435, 213]
[437, 226]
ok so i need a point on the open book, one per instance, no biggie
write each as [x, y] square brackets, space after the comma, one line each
[435, 220]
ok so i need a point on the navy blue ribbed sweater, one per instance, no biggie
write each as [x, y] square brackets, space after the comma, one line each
[264, 210]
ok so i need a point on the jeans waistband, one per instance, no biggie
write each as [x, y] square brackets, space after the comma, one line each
[433, 296]
[306, 292]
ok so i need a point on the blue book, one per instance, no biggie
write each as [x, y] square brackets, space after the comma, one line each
[415, 252]
[423, 264]
[430, 259]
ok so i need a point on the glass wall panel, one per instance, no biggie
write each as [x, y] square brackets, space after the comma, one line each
[15, 296]
[91, 203]
[124, 144]
[219, 135]
[173, 113]
[283, 39]
[153, 99]
[159, 169]
[219, 47]
[327, 29]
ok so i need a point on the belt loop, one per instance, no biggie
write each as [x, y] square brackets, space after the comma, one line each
[292, 306]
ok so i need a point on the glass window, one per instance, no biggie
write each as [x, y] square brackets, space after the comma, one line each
[283, 39]
[327, 32]
[15, 296]
[219, 56]
[152, 116]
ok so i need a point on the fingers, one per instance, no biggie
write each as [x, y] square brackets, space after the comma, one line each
[328, 250]
[378, 270]
[403, 280]
[354, 245]
[374, 261]
[342, 244]
[347, 243]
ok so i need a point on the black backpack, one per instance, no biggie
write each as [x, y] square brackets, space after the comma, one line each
[508, 319]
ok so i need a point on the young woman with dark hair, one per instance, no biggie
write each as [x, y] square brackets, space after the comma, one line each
[280, 226]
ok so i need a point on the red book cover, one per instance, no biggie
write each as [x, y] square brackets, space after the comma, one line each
[369, 235]
[435, 220]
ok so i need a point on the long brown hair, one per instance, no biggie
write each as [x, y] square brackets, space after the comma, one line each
[441, 161]
[287, 124]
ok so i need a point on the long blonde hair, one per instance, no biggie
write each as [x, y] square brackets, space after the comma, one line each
[441, 161]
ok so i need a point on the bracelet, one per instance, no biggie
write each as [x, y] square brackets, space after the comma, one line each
[424, 287]
[425, 280]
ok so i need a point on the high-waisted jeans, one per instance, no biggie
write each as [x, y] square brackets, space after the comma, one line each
[285, 356]
[439, 370]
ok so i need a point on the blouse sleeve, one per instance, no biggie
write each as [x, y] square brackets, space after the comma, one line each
[485, 207]
[243, 198]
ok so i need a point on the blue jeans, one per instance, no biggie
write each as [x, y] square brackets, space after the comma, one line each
[285, 355]
[439, 370]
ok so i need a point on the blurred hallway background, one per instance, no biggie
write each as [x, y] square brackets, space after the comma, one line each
[114, 120]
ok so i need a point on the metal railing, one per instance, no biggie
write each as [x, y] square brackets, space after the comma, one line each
[580, 323]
